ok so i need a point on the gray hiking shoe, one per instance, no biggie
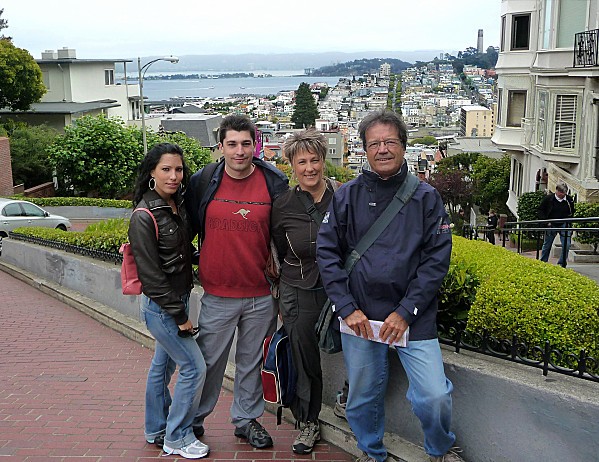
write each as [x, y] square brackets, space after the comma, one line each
[365, 458]
[339, 409]
[305, 441]
[450, 456]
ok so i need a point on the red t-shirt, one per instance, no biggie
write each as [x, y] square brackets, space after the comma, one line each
[235, 247]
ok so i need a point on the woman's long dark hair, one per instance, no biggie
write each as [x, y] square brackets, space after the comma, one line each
[142, 184]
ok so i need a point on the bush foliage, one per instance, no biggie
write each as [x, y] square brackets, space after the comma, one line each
[495, 289]
[531, 299]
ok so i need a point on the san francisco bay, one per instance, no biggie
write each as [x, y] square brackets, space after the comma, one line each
[155, 90]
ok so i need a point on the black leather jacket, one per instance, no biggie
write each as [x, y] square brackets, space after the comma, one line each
[163, 266]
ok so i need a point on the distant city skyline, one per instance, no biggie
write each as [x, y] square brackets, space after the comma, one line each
[184, 27]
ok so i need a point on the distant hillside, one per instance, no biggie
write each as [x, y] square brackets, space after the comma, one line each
[361, 66]
[251, 62]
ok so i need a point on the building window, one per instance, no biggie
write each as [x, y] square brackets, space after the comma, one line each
[571, 19]
[541, 117]
[516, 107]
[499, 103]
[516, 176]
[565, 122]
[332, 140]
[520, 31]
[46, 79]
[547, 24]
[332, 150]
[108, 76]
[502, 38]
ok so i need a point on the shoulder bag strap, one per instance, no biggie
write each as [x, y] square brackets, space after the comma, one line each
[401, 198]
[153, 218]
[310, 208]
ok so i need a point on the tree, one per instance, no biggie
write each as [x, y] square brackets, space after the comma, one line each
[462, 161]
[3, 25]
[341, 174]
[96, 157]
[21, 82]
[29, 148]
[491, 183]
[99, 156]
[455, 188]
[195, 155]
[305, 112]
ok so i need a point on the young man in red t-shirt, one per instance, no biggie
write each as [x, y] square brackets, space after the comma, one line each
[231, 213]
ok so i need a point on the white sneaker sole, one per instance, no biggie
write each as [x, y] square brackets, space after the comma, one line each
[172, 451]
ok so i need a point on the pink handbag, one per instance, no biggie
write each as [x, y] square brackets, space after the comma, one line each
[129, 279]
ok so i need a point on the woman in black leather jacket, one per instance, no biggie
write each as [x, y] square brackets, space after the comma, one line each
[164, 269]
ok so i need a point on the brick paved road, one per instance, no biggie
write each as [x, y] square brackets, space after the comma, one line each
[72, 389]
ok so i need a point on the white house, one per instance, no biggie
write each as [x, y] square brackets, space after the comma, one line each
[548, 95]
[77, 87]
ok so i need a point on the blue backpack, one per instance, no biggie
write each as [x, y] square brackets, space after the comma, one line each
[279, 377]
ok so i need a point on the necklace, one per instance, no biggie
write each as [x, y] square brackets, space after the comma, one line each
[318, 198]
[242, 177]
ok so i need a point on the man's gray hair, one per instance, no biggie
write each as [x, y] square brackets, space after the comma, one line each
[561, 187]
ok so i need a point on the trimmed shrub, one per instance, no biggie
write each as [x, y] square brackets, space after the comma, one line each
[586, 210]
[531, 299]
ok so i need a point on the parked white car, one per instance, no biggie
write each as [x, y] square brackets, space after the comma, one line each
[17, 213]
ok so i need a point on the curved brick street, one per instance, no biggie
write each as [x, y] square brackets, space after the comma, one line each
[73, 389]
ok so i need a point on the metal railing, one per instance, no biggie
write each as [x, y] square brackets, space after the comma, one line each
[544, 357]
[533, 230]
[585, 48]
[103, 255]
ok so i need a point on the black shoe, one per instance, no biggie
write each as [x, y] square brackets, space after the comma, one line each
[255, 433]
[158, 441]
[198, 431]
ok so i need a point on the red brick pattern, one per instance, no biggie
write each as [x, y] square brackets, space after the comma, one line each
[6, 186]
[72, 389]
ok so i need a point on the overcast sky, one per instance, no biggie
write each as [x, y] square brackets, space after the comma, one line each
[126, 29]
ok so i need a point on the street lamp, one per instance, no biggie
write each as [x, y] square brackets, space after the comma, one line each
[142, 72]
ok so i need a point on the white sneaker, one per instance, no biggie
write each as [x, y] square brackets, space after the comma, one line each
[195, 450]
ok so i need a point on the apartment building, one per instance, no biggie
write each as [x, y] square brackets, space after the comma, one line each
[78, 87]
[548, 95]
[476, 121]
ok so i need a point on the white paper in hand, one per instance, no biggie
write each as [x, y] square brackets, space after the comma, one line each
[376, 328]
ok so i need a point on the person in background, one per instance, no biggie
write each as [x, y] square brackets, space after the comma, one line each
[302, 296]
[492, 221]
[558, 205]
[164, 269]
[232, 218]
[396, 282]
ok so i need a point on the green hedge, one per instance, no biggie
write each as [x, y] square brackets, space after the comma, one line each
[534, 300]
[75, 201]
[497, 290]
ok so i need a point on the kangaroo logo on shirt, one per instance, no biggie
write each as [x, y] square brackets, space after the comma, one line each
[242, 212]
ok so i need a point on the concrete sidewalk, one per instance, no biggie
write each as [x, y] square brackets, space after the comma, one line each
[73, 389]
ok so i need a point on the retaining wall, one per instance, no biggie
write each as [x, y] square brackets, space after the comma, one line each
[503, 412]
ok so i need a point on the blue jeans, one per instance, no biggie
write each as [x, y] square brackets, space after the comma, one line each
[171, 417]
[429, 392]
[548, 243]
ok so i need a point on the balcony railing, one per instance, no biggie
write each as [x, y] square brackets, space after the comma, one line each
[585, 48]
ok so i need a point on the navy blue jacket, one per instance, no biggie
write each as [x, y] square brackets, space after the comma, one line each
[403, 269]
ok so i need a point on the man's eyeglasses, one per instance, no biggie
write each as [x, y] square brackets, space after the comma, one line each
[374, 146]
[189, 333]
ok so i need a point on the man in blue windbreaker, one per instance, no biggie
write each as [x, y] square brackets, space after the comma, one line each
[395, 282]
